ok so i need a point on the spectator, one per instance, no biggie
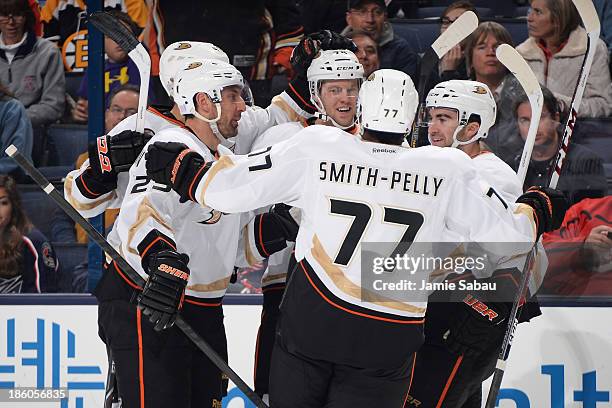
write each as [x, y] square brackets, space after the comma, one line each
[118, 70]
[64, 24]
[604, 11]
[30, 67]
[367, 52]
[27, 261]
[582, 174]
[483, 66]
[258, 39]
[555, 50]
[123, 102]
[16, 129]
[370, 16]
[580, 252]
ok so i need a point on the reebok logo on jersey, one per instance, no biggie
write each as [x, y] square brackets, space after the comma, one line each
[173, 271]
[480, 307]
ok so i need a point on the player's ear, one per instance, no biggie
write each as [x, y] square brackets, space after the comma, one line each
[472, 128]
[203, 103]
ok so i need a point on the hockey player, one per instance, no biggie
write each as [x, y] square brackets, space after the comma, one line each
[335, 347]
[461, 345]
[185, 253]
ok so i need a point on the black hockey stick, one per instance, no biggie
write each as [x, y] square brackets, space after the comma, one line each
[453, 35]
[94, 235]
[125, 38]
[591, 23]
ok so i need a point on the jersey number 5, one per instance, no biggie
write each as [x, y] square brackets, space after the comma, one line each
[362, 214]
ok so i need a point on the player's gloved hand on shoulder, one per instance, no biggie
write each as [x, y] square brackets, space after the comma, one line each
[285, 217]
[176, 165]
[549, 207]
[162, 296]
[110, 155]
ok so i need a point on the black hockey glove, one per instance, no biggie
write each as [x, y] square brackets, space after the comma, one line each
[162, 296]
[174, 164]
[285, 221]
[549, 207]
[476, 325]
[310, 45]
[110, 155]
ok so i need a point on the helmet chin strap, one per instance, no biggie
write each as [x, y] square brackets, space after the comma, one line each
[457, 143]
[215, 129]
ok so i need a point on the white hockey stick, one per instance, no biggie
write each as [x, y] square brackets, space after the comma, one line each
[591, 22]
[119, 33]
[517, 65]
[453, 35]
[588, 14]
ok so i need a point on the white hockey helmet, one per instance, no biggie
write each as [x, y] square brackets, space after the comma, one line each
[176, 54]
[208, 76]
[467, 98]
[331, 65]
[388, 102]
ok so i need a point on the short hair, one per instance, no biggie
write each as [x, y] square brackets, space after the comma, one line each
[125, 87]
[461, 4]
[550, 103]
[360, 33]
[498, 31]
[19, 8]
[564, 16]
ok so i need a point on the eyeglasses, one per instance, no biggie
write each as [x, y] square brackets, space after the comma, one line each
[376, 12]
[16, 18]
[117, 110]
[445, 21]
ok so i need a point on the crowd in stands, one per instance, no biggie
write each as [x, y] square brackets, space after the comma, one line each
[43, 89]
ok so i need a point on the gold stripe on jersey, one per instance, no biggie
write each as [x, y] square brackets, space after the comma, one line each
[81, 206]
[269, 278]
[215, 286]
[291, 112]
[224, 162]
[248, 254]
[145, 211]
[528, 211]
[348, 287]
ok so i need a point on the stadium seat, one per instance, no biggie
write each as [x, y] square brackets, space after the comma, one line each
[436, 12]
[37, 206]
[73, 83]
[69, 255]
[517, 28]
[66, 143]
[419, 33]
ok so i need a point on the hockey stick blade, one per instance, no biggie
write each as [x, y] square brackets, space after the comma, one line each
[517, 65]
[455, 33]
[588, 14]
[114, 29]
[141, 58]
[95, 236]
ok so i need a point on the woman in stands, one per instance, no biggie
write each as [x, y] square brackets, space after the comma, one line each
[555, 50]
[483, 66]
[27, 261]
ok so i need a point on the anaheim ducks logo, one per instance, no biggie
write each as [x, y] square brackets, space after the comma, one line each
[479, 90]
[371, 77]
[193, 65]
[213, 217]
[183, 46]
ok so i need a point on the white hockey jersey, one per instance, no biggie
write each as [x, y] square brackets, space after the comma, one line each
[351, 191]
[498, 174]
[207, 236]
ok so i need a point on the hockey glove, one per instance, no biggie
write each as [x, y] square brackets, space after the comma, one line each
[310, 45]
[110, 155]
[476, 325]
[549, 207]
[283, 215]
[162, 296]
[176, 165]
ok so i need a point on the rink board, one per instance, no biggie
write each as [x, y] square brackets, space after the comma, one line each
[561, 359]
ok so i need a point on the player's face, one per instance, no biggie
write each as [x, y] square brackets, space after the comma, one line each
[339, 99]
[442, 125]
[369, 18]
[539, 20]
[484, 61]
[547, 129]
[232, 106]
[6, 209]
[123, 104]
[367, 54]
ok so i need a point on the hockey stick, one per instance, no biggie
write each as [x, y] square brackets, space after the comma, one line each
[592, 25]
[95, 236]
[463, 26]
[517, 65]
[123, 36]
